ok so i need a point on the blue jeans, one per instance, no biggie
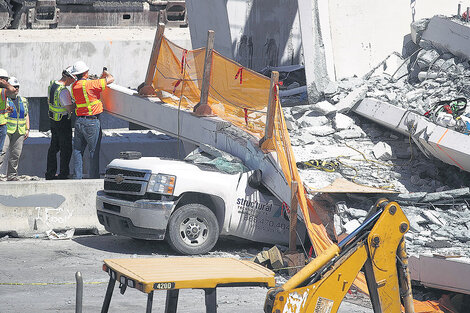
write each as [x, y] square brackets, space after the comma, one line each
[87, 134]
[3, 134]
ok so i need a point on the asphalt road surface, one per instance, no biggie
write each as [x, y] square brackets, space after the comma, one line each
[38, 275]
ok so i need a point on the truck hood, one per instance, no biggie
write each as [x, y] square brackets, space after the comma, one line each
[189, 177]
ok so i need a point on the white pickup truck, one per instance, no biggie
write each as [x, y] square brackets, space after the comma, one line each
[188, 203]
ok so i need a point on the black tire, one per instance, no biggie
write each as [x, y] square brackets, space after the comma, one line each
[192, 229]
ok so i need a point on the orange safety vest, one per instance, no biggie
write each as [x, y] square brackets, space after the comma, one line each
[86, 95]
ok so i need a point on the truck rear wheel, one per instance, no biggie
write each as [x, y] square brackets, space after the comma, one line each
[193, 229]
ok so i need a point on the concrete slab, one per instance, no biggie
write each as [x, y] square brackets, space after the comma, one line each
[445, 144]
[449, 35]
[37, 56]
[29, 208]
[446, 273]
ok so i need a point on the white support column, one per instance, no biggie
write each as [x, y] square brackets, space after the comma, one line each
[316, 45]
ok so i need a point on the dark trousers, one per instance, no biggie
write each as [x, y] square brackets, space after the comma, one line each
[61, 141]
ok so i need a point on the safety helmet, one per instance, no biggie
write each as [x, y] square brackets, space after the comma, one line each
[3, 73]
[68, 72]
[79, 68]
[14, 82]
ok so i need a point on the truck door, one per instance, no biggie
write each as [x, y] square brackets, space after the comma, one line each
[259, 216]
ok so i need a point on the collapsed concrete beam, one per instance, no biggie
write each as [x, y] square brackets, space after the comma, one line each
[445, 144]
[441, 272]
[155, 114]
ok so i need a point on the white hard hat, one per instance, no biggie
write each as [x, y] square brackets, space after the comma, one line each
[14, 81]
[79, 68]
[3, 73]
[69, 72]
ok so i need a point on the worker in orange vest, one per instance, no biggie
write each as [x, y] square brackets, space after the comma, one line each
[6, 90]
[86, 93]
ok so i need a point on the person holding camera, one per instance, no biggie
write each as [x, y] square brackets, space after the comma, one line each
[88, 132]
[6, 90]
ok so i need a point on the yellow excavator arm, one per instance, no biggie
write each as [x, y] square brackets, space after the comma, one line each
[377, 247]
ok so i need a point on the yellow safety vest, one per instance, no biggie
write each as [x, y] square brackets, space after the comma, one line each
[56, 111]
[16, 120]
[3, 106]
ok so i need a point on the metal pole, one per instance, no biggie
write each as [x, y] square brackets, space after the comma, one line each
[206, 78]
[79, 293]
[293, 217]
[468, 11]
[404, 278]
[459, 7]
[270, 115]
[109, 294]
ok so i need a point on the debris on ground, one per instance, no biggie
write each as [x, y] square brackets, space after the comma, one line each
[272, 258]
[67, 234]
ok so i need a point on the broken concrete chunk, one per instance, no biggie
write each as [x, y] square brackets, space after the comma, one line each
[351, 99]
[342, 121]
[338, 225]
[426, 57]
[417, 29]
[382, 151]
[309, 120]
[448, 194]
[324, 107]
[351, 133]
[320, 130]
[356, 213]
[433, 217]
[351, 226]
[414, 95]
[275, 258]
[307, 138]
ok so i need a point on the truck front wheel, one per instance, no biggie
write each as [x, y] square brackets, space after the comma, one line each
[193, 229]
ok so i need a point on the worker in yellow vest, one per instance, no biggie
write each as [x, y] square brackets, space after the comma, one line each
[17, 129]
[6, 90]
[60, 110]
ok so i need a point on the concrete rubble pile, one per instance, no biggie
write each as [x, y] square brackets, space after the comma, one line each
[434, 195]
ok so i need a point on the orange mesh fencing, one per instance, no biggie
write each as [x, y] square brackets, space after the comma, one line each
[239, 96]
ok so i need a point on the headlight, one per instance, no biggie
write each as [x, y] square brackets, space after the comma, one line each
[162, 184]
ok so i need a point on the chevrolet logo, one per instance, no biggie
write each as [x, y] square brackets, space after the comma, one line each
[119, 179]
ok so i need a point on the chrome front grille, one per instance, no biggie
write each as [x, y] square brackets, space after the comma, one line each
[126, 181]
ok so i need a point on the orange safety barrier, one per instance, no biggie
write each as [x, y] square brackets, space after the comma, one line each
[240, 96]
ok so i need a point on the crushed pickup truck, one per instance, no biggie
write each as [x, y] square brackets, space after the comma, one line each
[190, 202]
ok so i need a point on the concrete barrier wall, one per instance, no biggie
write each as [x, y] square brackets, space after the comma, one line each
[37, 56]
[29, 208]
[34, 155]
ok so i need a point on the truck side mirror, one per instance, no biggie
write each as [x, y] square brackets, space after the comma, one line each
[254, 181]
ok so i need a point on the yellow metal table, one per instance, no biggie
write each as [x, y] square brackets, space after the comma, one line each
[174, 273]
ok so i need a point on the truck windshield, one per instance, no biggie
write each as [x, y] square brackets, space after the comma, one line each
[218, 160]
